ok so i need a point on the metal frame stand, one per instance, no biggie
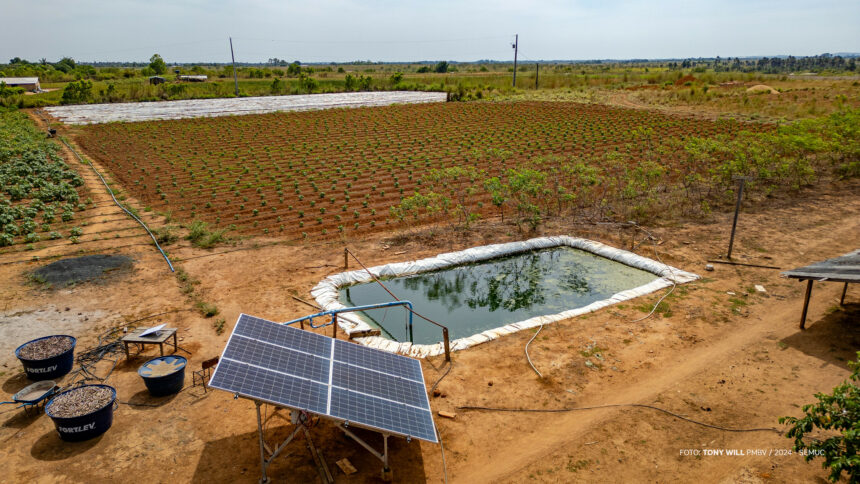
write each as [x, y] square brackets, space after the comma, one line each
[387, 475]
[301, 425]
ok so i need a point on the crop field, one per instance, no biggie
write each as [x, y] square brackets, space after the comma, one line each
[313, 174]
[40, 196]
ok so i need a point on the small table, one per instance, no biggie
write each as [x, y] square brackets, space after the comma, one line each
[159, 337]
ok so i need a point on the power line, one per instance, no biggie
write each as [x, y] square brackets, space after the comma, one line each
[361, 41]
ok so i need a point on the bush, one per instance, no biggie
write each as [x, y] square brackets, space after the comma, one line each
[77, 92]
[207, 309]
[200, 235]
[839, 411]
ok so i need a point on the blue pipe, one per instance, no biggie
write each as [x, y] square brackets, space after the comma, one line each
[333, 312]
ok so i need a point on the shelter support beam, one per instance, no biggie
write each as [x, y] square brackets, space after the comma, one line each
[805, 304]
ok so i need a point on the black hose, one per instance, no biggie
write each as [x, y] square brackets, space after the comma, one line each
[110, 192]
[640, 405]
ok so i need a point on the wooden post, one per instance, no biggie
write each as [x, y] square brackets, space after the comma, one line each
[334, 325]
[742, 180]
[537, 72]
[345, 258]
[844, 290]
[805, 304]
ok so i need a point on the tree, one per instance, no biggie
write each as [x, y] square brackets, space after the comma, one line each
[65, 65]
[157, 64]
[294, 69]
[396, 78]
[839, 411]
[77, 92]
[441, 67]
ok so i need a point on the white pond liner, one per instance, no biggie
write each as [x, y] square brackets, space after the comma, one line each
[326, 292]
[197, 108]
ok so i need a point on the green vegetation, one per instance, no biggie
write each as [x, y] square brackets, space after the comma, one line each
[206, 309]
[621, 186]
[837, 412]
[38, 191]
[218, 324]
[200, 235]
[117, 82]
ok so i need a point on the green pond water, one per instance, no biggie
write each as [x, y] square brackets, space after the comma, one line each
[476, 297]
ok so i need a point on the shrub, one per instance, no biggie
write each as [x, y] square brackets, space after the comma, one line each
[207, 309]
[840, 412]
[200, 235]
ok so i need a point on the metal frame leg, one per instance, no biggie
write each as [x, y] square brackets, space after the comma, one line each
[263, 463]
[386, 471]
[805, 304]
[842, 299]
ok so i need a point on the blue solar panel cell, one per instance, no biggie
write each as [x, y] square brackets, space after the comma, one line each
[271, 386]
[278, 358]
[299, 369]
[379, 384]
[382, 414]
[378, 360]
[285, 336]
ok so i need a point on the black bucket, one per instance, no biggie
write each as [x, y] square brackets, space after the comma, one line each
[84, 427]
[160, 384]
[49, 368]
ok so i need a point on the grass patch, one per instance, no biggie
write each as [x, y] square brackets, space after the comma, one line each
[218, 324]
[663, 308]
[207, 309]
[165, 235]
[578, 465]
[737, 303]
[200, 235]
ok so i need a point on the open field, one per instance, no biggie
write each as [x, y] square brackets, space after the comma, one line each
[734, 361]
[316, 173]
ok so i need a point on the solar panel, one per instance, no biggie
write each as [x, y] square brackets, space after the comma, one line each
[299, 369]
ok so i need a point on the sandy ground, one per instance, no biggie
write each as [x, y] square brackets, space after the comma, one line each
[732, 360]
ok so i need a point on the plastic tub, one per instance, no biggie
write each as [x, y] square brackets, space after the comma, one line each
[164, 375]
[83, 427]
[49, 368]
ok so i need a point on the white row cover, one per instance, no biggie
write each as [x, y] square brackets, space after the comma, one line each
[326, 292]
[197, 108]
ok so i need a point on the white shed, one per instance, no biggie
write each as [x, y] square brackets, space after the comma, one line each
[28, 83]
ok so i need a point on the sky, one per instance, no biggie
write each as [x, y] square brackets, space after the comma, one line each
[406, 30]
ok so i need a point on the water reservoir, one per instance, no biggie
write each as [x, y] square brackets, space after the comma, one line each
[471, 298]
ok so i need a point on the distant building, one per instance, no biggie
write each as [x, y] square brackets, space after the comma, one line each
[193, 78]
[155, 80]
[28, 83]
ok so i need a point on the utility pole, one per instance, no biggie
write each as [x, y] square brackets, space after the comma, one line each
[516, 47]
[537, 72]
[235, 74]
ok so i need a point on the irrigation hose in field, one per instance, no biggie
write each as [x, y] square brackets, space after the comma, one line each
[617, 405]
[529, 358]
[110, 192]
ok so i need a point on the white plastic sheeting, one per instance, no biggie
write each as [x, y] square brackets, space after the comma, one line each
[196, 108]
[326, 292]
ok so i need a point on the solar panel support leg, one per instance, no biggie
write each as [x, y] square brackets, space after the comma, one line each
[842, 299]
[265, 461]
[805, 304]
[263, 464]
[383, 457]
